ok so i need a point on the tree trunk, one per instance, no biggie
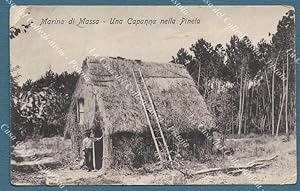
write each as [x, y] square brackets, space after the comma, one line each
[240, 103]
[282, 104]
[272, 112]
[279, 117]
[206, 87]
[245, 101]
[272, 102]
[199, 70]
[251, 103]
[267, 82]
[256, 111]
[287, 97]
[232, 123]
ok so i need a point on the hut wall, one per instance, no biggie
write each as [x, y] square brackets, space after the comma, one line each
[132, 150]
[74, 128]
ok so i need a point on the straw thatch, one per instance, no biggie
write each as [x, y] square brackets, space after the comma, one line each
[112, 101]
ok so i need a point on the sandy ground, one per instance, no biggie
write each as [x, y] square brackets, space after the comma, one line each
[282, 170]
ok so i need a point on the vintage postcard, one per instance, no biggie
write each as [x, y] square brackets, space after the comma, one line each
[153, 95]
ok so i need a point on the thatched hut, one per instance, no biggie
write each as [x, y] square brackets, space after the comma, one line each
[107, 101]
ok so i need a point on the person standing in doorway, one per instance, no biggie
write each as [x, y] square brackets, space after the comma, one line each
[87, 148]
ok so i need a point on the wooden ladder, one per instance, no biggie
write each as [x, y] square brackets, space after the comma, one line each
[152, 118]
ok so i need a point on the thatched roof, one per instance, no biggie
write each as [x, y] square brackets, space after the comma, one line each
[171, 87]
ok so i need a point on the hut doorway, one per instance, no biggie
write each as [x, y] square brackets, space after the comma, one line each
[98, 151]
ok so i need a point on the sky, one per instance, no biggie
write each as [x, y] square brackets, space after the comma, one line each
[156, 43]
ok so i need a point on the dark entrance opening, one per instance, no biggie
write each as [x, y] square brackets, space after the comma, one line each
[98, 149]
